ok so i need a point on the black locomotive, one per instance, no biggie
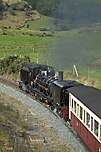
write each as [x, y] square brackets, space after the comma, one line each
[48, 86]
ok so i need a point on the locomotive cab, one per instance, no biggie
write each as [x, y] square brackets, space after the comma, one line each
[60, 95]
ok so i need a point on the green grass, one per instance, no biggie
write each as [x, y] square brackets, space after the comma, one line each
[29, 44]
[24, 45]
[43, 22]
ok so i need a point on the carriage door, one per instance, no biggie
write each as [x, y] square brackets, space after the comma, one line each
[70, 106]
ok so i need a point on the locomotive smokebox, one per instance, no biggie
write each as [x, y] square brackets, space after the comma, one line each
[60, 75]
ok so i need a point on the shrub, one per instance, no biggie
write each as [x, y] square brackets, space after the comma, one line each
[12, 64]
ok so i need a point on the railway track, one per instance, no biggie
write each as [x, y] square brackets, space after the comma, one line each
[72, 136]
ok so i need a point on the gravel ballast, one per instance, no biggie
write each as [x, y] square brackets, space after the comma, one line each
[65, 134]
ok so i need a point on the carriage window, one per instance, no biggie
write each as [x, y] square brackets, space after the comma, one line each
[91, 123]
[77, 109]
[81, 112]
[88, 119]
[96, 127]
[84, 116]
[72, 103]
[100, 132]
[74, 106]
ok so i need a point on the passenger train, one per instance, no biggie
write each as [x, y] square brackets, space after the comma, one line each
[77, 103]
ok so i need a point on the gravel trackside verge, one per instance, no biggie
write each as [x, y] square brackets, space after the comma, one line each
[65, 133]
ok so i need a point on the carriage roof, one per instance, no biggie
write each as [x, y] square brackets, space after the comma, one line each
[89, 96]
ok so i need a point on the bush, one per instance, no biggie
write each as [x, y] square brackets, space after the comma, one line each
[46, 7]
[21, 6]
[12, 64]
[2, 8]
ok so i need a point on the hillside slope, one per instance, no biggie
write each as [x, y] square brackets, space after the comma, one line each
[68, 13]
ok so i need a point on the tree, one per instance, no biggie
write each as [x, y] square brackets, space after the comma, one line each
[46, 7]
[1, 9]
[33, 3]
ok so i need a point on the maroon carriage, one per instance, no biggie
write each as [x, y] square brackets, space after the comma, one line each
[85, 115]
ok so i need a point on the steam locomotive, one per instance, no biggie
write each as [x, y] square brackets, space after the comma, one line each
[48, 86]
[75, 102]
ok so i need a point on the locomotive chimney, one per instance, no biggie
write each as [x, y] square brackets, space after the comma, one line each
[60, 75]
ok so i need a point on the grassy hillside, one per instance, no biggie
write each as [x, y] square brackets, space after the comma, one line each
[68, 14]
[80, 46]
[21, 44]
[72, 13]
